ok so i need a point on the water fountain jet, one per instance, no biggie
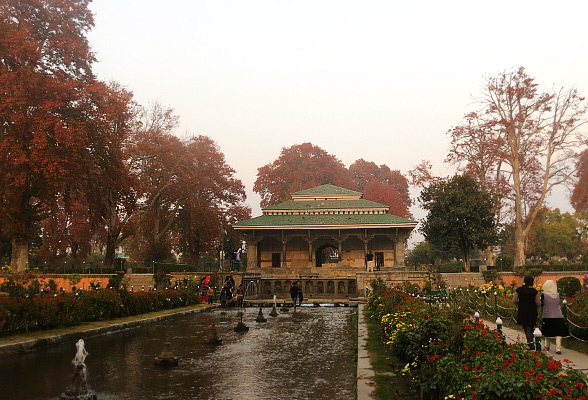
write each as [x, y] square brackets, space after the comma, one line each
[78, 389]
[166, 358]
[214, 339]
[241, 327]
[274, 312]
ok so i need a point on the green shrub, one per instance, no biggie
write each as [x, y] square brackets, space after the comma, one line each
[489, 276]
[504, 261]
[451, 267]
[48, 311]
[568, 286]
[534, 272]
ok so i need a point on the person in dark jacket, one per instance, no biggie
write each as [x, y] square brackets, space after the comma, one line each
[294, 295]
[300, 297]
[528, 299]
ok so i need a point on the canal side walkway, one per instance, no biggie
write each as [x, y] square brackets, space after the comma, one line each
[365, 373]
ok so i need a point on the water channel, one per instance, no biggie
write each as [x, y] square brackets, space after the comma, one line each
[309, 354]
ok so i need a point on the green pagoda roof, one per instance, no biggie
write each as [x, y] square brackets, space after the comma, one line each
[325, 204]
[326, 207]
[326, 189]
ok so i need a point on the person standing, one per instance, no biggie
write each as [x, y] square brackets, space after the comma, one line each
[528, 299]
[294, 295]
[240, 295]
[300, 297]
[223, 296]
[554, 325]
[369, 261]
[238, 259]
[204, 288]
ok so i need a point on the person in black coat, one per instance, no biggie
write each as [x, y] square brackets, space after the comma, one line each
[294, 295]
[528, 299]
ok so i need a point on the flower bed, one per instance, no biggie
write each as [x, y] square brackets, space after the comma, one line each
[49, 310]
[449, 356]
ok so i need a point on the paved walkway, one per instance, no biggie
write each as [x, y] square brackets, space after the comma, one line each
[365, 374]
[578, 360]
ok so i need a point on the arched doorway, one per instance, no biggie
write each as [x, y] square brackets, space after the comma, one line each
[326, 254]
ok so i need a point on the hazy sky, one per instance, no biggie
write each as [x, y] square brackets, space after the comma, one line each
[378, 80]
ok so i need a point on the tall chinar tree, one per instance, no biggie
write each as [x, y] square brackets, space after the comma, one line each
[187, 192]
[154, 158]
[45, 68]
[299, 167]
[532, 142]
[459, 213]
[212, 199]
[382, 185]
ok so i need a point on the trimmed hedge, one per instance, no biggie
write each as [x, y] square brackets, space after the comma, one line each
[569, 286]
[50, 311]
[450, 267]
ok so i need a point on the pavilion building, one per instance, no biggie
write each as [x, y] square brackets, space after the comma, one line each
[324, 232]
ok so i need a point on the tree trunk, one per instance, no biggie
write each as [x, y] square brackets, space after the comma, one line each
[110, 250]
[20, 254]
[519, 249]
[466, 259]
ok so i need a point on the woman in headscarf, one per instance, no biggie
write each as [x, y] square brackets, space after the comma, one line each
[554, 325]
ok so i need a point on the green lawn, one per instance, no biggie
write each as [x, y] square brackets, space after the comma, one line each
[390, 385]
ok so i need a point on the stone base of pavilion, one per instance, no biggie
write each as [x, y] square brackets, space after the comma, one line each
[321, 283]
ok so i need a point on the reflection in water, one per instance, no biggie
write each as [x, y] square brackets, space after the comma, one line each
[302, 355]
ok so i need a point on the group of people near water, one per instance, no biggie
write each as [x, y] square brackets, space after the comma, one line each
[529, 300]
[228, 291]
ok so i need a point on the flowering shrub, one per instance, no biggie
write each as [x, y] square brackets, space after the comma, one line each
[577, 315]
[487, 367]
[95, 283]
[49, 311]
[450, 357]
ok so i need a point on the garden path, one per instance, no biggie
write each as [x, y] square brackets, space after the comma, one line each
[365, 373]
[578, 360]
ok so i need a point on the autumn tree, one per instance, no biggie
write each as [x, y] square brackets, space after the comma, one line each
[556, 234]
[459, 213]
[580, 193]
[211, 198]
[45, 67]
[111, 187]
[188, 193]
[154, 157]
[297, 168]
[536, 137]
[382, 185]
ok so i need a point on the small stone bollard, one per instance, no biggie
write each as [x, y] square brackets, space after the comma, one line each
[260, 317]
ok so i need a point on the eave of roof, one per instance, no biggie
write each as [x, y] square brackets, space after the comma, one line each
[324, 221]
